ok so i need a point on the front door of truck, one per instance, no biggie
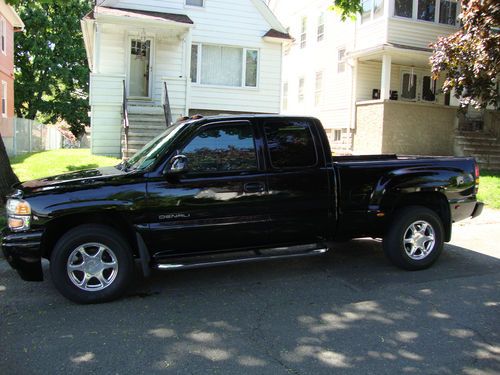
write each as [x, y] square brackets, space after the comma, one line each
[220, 202]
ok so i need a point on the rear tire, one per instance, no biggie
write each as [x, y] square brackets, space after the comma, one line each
[91, 264]
[414, 240]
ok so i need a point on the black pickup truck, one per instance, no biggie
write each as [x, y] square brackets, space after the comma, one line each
[220, 190]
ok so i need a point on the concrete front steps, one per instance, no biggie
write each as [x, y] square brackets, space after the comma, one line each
[146, 121]
[483, 146]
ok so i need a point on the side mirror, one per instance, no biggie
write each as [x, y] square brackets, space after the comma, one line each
[178, 164]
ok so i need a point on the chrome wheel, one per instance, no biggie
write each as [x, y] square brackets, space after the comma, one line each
[92, 267]
[419, 240]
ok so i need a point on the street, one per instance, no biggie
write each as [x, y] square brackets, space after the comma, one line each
[349, 312]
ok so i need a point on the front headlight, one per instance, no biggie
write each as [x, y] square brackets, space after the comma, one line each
[18, 214]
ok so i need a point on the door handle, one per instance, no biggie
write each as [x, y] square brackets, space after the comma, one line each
[253, 187]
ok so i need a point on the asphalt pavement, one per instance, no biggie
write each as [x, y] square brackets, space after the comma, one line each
[347, 312]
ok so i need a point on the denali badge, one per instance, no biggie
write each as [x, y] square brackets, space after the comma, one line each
[174, 216]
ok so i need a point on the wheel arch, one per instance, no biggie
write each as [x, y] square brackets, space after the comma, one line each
[435, 201]
[57, 227]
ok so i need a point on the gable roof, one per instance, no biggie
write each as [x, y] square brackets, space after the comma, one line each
[140, 14]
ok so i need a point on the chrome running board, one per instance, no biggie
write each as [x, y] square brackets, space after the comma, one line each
[256, 256]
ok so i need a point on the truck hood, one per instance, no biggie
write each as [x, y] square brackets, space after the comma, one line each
[72, 179]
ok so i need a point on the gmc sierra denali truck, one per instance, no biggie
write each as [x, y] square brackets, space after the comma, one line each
[221, 190]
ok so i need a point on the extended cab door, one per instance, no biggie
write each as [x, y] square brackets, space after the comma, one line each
[299, 186]
[220, 203]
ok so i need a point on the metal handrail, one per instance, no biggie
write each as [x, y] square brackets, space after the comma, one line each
[166, 105]
[126, 123]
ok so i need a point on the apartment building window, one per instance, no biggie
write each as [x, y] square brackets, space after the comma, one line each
[337, 135]
[3, 35]
[224, 66]
[417, 85]
[285, 96]
[195, 3]
[301, 90]
[372, 9]
[318, 88]
[408, 86]
[303, 33]
[321, 27]
[437, 11]
[4, 99]
[341, 60]
[448, 12]
[426, 10]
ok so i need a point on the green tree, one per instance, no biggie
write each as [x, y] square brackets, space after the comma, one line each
[470, 58]
[51, 72]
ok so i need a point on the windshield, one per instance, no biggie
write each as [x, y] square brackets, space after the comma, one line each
[148, 155]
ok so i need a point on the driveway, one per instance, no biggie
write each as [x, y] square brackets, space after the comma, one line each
[348, 312]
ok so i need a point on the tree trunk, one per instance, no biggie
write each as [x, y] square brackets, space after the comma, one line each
[7, 175]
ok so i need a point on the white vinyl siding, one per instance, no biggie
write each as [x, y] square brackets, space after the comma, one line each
[285, 96]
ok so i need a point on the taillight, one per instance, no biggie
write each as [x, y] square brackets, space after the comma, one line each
[476, 176]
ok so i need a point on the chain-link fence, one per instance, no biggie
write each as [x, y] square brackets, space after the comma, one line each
[21, 136]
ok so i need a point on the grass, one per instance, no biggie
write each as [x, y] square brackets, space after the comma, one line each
[50, 163]
[489, 189]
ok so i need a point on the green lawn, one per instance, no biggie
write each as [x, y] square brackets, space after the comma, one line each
[489, 189]
[50, 163]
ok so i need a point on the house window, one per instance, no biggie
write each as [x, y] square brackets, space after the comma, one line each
[408, 86]
[303, 33]
[428, 89]
[341, 60]
[437, 11]
[4, 99]
[224, 66]
[195, 3]
[321, 27]
[371, 9]
[448, 12]
[337, 135]
[195, 48]
[318, 88]
[285, 96]
[3, 35]
[403, 8]
[426, 10]
[301, 90]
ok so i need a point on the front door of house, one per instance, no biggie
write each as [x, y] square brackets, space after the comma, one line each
[140, 68]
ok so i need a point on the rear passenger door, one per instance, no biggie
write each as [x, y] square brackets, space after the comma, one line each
[297, 180]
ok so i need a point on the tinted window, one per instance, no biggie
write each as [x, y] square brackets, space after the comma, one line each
[290, 144]
[222, 149]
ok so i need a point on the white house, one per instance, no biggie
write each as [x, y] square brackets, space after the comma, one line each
[210, 56]
[369, 80]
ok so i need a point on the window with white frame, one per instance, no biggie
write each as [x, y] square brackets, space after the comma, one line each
[3, 35]
[285, 96]
[318, 88]
[4, 99]
[341, 60]
[195, 3]
[437, 11]
[371, 10]
[301, 89]
[417, 85]
[321, 27]
[303, 33]
[224, 66]
[337, 135]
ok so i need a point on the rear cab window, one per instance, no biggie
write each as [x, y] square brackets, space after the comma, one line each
[290, 143]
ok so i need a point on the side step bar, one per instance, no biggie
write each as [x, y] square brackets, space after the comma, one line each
[255, 256]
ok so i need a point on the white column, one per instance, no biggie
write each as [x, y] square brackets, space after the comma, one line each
[385, 84]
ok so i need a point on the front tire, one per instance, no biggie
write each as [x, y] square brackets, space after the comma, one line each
[92, 264]
[414, 240]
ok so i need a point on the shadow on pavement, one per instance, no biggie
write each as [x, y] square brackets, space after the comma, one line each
[349, 312]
